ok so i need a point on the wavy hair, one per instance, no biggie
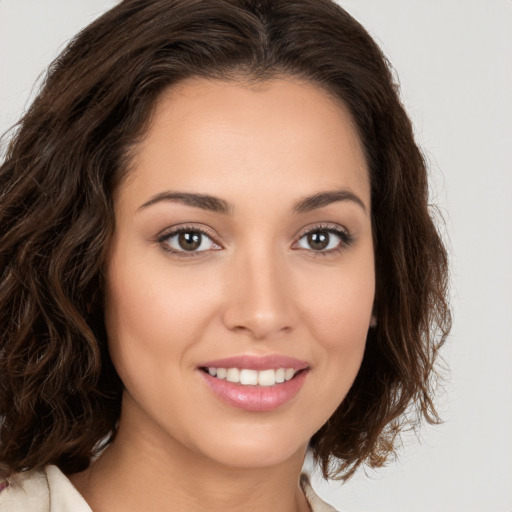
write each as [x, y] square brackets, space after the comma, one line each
[59, 393]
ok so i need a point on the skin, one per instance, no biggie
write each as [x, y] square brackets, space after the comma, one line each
[257, 288]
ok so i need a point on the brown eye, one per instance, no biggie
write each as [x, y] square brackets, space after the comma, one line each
[318, 240]
[188, 241]
[324, 240]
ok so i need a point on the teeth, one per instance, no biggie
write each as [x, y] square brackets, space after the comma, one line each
[267, 378]
[233, 375]
[289, 373]
[280, 374]
[248, 377]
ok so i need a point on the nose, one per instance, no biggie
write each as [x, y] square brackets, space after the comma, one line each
[259, 296]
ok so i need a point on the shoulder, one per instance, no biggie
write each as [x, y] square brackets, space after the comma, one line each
[45, 490]
[25, 491]
[315, 502]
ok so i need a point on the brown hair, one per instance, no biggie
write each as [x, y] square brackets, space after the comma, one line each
[59, 394]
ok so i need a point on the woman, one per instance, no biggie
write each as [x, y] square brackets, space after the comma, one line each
[217, 254]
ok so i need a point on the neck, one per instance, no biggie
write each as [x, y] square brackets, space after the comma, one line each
[136, 472]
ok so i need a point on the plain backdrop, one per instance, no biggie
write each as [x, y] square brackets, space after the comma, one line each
[454, 62]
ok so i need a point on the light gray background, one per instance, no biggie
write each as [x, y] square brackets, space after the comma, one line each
[454, 60]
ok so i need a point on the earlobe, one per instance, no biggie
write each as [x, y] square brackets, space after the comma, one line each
[373, 321]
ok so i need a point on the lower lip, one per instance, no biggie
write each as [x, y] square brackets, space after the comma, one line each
[255, 398]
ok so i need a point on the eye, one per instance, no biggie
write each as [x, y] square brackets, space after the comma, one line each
[187, 240]
[324, 240]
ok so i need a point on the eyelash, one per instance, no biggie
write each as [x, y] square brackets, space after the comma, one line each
[346, 240]
[164, 237]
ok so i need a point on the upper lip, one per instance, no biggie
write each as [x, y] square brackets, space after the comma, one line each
[268, 362]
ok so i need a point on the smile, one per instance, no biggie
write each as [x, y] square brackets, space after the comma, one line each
[249, 377]
[257, 384]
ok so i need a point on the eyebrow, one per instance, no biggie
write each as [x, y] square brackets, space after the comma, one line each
[205, 202]
[215, 204]
[326, 198]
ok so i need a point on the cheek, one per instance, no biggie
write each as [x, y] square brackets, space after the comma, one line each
[152, 300]
[338, 314]
[150, 319]
[339, 306]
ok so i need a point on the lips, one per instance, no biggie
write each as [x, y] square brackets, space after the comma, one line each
[255, 383]
[257, 363]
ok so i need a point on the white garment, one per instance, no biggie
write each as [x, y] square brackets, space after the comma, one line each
[50, 490]
[42, 491]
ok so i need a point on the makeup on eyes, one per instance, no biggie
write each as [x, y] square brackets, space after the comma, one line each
[320, 236]
[190, 241]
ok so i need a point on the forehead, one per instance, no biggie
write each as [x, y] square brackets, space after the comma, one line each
[213, 136]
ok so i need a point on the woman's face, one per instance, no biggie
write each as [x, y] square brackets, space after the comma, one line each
[241, 279]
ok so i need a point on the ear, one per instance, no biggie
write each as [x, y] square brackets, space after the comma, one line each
[373, 321]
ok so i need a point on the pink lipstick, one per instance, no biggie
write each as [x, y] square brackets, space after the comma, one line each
[255, 383]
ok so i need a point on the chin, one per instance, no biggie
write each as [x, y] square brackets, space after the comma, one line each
[254, 451]
[258, 457]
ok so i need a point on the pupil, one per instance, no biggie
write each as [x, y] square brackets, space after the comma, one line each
[189, 241]
[318, 240]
